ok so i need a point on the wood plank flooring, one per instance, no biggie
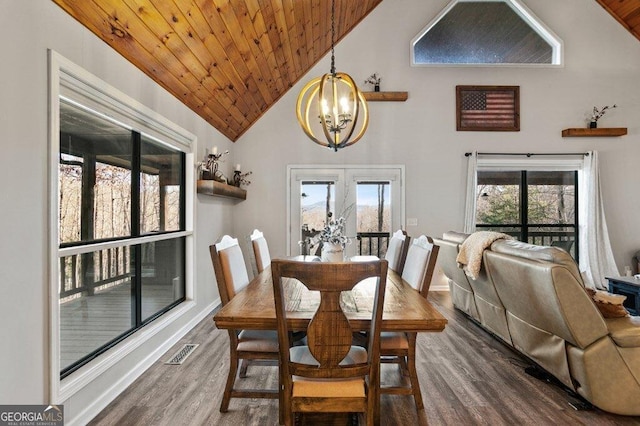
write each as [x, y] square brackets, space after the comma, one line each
[467, 378]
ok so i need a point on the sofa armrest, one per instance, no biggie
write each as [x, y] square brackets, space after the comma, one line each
[455, 237]
[625, 332]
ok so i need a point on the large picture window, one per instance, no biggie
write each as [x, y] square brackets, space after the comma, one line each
[116, 185]
[121, 227]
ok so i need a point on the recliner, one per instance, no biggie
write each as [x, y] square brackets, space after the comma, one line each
[539, 294]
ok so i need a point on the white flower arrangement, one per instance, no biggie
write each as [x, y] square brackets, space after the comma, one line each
[333, 232]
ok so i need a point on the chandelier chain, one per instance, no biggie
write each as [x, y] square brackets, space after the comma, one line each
[333, 36]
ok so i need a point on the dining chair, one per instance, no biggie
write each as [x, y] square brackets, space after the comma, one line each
[330, 373]
[397, 250]
[244, 345]
[260, 250]
[400, 347]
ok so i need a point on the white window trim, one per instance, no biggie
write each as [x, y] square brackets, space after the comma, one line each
[557, 45]
[512, 162]
[126, 111]
[517, 163]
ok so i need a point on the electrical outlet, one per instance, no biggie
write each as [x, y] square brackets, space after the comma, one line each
[412, 221]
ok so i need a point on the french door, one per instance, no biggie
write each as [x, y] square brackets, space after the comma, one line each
[371, 199]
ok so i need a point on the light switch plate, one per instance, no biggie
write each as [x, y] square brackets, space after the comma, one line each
[412, 221]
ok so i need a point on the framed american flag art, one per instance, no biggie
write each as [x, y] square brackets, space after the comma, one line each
[488, 108]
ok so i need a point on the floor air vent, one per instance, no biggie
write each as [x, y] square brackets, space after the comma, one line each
[182, 354]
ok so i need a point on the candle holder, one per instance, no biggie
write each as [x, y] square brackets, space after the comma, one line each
[237, 178]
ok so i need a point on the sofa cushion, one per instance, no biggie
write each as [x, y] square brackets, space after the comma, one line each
[538, 253]
[625, 332]
[609, 305]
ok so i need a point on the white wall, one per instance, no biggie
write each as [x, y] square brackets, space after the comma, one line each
[602, 62]
[29, 28]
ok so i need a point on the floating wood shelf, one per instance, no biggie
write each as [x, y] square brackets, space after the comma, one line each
[587, 132]
[386, 96]
[219, 189]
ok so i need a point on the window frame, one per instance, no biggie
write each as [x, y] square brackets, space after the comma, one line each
[517, 162]
[71, 81]
[523, 223]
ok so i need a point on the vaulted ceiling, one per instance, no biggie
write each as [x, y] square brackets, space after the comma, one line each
[230, 60]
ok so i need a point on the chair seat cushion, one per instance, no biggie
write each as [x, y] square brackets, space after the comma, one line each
[307, 387]
[258, 341]
[393, 340]
[625, 332]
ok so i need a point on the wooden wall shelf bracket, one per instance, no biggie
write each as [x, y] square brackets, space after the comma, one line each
[219, 189]
[598, 132]
[386, 96]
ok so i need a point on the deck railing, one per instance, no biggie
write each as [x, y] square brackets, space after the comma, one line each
[563, 235]
[373, 243]
[369, 243]
[86, 273]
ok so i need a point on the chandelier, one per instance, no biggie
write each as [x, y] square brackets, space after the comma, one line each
[328, 107]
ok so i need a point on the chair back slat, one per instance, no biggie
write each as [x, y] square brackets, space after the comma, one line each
[260, 250]
[420, 264]
[229, 267]
[397, 250]
[329, 333]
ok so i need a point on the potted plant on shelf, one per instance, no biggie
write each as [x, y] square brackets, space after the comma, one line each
[597, 114]
[374, 80]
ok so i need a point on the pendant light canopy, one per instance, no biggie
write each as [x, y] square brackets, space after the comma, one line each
[331, 109]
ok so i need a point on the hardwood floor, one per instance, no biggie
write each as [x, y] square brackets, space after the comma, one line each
[467, 377]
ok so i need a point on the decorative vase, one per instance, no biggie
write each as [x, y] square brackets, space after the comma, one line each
[593, 125]
[332, 252]
[376, 88]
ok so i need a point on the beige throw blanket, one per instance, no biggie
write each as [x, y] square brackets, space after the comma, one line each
[470, 256]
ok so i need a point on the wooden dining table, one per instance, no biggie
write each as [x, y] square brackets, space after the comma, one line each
[253, 307]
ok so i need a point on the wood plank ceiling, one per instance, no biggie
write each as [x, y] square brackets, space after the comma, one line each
[627, 12]
[230, 60]
[227, 60]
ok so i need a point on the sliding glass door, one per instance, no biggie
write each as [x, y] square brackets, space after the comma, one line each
[539, 207]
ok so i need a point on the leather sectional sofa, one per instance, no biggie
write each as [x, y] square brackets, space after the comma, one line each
[533, 299]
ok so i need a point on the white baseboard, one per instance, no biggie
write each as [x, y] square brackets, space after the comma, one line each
[101, 402]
